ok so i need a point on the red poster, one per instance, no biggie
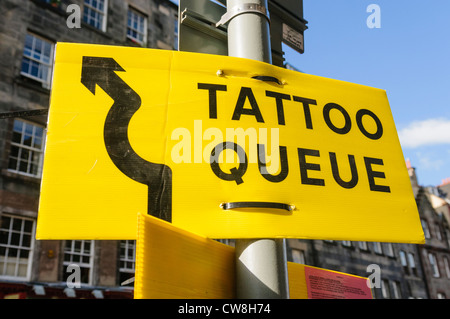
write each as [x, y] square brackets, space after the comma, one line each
[326, 284]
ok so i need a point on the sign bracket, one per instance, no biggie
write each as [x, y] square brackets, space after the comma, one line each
[203, 24]
[243, 8]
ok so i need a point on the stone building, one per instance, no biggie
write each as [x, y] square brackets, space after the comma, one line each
[29, 33]
[435, 253]
[434, 205]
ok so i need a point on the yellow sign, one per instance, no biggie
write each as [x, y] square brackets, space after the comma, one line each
[220, 146]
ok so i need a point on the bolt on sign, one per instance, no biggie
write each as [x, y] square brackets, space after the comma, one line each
[220, 146]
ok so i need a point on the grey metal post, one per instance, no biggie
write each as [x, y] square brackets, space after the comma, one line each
[261, 268]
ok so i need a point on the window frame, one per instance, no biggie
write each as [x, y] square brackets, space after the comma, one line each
[31, 149]
[388, 249]
[127, 245]
[104, 13]
[437, 230]
[404, 261]
[81, 254]
[46, 83]
[19, 247]
[434, 265]
[362, 245]
[138, 14]
[412, 263]
[346, 243]
[425, 228]
[385, 291]
[396, 290]
[377, 248]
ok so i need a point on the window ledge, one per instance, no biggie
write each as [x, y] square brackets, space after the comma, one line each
[31, 84]
[92, 28]
[23, 177]
[54, 8]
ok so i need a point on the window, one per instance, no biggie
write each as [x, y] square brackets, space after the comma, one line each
[377, 248]
[440, 295]
[385, 289]
[298, 256]
[396, 292]
[412, 263]
[346, 243]
[434, 265]
[363, 245]
[16, 247]
[137, 27]
[447, 267]
[389, 249]
[94, 13]
[426, 229]
[26, 153]
[37, 59]
[79, 252]
[404, 262]
[127, 260]
[437, 229]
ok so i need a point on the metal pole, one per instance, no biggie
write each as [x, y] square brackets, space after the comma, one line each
[261, 267]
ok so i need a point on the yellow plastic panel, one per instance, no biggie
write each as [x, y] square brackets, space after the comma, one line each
[173, 263]
[297, 281]
[133, 130]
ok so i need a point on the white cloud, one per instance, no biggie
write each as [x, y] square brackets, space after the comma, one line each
[426, 132]
[430, 163]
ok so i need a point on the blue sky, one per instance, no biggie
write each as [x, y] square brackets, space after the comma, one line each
[408, 57]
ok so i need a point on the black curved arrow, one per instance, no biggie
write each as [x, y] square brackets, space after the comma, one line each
[158, 177]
